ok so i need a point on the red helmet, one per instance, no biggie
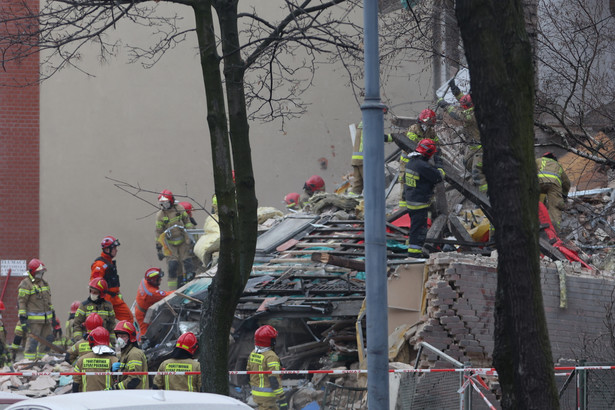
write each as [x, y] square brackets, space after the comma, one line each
[92, 321]
[187, 342]
[74, 306]
[99, 284]
[426, 148]
[36, 266]
[427, 117]
[314, 184]
[292, 200]
[126, 327]
[466, 102]
[187, 206]
[549, 155]
[265, 336]
[99, 337]
[165, 196]
[109, 242]
[152, 273]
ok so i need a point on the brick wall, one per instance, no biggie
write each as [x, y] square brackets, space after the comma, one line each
[19, 163]
[461, 303]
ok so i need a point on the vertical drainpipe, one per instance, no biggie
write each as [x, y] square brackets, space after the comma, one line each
[375, 240]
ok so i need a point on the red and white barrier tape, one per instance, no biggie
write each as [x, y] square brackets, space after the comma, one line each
[474, 370]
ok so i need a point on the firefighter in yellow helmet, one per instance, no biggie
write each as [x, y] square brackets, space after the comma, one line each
[36, 313]
[267, 389]
[181, 361]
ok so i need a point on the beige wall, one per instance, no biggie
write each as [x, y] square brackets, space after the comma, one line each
[147, 127]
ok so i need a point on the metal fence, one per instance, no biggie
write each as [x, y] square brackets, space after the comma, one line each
[587, 389]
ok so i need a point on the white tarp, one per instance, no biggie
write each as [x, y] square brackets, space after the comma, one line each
[462, 79]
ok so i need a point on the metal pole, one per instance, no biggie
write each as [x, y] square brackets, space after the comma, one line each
[375, 235]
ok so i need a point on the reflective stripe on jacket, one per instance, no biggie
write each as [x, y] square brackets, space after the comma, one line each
[34, 299]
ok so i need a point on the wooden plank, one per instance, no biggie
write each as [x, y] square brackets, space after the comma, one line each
[339, 261]
[435, 231]
[460, 231]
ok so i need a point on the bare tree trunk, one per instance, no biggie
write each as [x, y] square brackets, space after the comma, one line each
[236, 204]
[499, 56]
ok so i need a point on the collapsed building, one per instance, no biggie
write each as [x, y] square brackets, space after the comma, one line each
[308, 281]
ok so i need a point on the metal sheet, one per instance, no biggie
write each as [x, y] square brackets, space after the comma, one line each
[284, 231]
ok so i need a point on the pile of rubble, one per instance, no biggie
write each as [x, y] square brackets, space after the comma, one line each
[37, 386]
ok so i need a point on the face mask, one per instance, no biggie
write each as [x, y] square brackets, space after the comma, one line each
[93, 297]
[165, 205]
[120, 343]
[38, 276]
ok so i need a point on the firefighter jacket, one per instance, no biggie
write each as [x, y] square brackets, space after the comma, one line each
[34, 299]
[416, 132]
[179, 382]
[167, 218]
[77, 350]
[132, 359]
[266, 360]
[551, 172]
[104, 267]
[100, 306]
[357, 150]
[69, 329]
[92, 362]
[419, 181]
[470, 126]
[147, 295]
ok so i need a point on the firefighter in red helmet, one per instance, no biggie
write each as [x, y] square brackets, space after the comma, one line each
[182, 360]
[292, 201]
[95, 303]
[267, 390]
[420, 179]
[104, 267]
[36, 313]
[99, 360]
[132, 359]
[473, 159]
[149, 292]
[82, 346]
[172, 240]
[312, 185]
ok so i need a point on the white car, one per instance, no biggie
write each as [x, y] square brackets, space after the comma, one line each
[132, 400]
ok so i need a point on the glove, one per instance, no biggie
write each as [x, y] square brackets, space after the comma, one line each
[193, 221]
[442, 103]
[454, 89]
[115, 367]
[159, 251]
[282, 404]
[23, 320]
[442, 172]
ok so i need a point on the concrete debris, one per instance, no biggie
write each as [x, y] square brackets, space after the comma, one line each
[38, 386]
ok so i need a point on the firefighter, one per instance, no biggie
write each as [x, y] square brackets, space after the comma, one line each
[132, 359]
[36, 313]
[420, 179]
[423, 129]
[267, 389]
[95, 303]
[292, 201]
[148, 293]
[104, 267]
[71, 319]
[99, 360]
[5, 354]
[314, 184]
[171, 223]
[188, 207]
[554, 185]
[82, 346]
[181, 361]
[473, 160]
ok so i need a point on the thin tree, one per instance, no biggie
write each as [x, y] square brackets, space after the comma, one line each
[62, 28]
[499, 57]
